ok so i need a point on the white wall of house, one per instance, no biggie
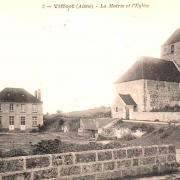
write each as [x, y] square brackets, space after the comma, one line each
[31, 113]
[118, 108]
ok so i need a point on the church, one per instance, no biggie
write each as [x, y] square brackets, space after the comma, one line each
[150, 89]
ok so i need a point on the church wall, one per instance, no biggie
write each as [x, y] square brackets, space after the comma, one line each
[154, 116]
[168, 53]
[158, 94]
[135, 89]
[118, 108]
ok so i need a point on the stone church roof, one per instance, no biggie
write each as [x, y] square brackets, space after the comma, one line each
[18, 95]
[152, 69]
[128, 100]
[175, 37]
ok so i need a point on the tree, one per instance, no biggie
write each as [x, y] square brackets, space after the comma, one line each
[58, 112]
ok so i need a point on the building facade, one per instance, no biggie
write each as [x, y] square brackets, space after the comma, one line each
[170, 50]
[151, 84]
[19, 110]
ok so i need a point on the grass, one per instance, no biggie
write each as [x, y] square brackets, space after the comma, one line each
[162, 135]
[155, 134]
[24, 140]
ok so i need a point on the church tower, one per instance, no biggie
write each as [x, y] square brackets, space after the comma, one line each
[170, 50]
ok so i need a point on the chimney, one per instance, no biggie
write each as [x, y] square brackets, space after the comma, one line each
[36, 94]
[39, 94]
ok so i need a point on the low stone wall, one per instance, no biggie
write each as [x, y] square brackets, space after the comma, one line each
[152, 116]
[90, 165]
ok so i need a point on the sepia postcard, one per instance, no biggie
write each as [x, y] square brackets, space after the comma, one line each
[90, 89]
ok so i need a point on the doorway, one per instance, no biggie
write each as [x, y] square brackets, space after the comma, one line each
[127, 113]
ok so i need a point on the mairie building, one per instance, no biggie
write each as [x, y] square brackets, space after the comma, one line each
[20, 110]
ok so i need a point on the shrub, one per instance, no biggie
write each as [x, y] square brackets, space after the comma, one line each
[165, 134]
[13, 153]
[128, 137]
[143, 127]
[118, 123]
[4, 129]
[34, 130]
[47, 147]
[101, 138]
[57, 146]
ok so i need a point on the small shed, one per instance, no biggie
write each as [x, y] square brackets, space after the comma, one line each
[91, 127]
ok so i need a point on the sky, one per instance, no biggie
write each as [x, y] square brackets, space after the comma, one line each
[74, 56]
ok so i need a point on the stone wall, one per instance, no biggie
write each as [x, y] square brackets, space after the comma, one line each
[159, 94]
[90, 165]
[152, 116]
[148, 95]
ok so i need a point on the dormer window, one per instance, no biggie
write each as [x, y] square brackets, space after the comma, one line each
[172, 48]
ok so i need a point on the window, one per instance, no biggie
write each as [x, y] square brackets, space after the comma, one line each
[34, 121]
[22, 107]
[11, 120]
[169, 88]
[11, 107]
[116, 109]
[157, 87]
[23, 120]
[0, 120]
[34, 108]
[172, 48]
[0, 107]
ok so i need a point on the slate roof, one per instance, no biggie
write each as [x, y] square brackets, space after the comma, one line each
[94, 124]
[18, 95]
[152, 69]
[174, 38]
[128, 100]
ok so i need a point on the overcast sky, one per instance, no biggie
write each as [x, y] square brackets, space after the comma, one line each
[75, 56]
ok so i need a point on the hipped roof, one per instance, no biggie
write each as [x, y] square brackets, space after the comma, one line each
[18, 95]
[151, 68]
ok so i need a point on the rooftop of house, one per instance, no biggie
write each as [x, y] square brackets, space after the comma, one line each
[18, 95]
[151, 68]
[128, 100]
[174, 38]
[94, 124]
